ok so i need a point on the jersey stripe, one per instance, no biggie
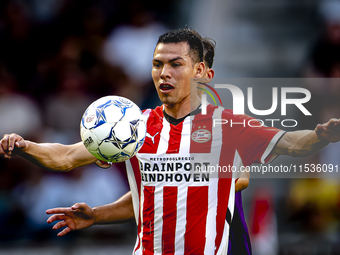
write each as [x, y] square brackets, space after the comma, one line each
[135, 187]
[197, 209]
[158, 219]
[175, 138]
[148, 220]
[169, 219]
[153, 126]
[202, 122]
[224, 185]
[181, 217]
[184, 146]
[165, 136]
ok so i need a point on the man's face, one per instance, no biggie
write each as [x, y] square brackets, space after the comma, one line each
[172, 68]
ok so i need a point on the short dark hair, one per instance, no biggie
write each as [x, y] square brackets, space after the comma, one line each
[190, 36]
[209, 51]
[209, 45]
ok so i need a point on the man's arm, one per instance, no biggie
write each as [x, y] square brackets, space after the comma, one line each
[242, 182]
[304, 143]
[80, 215]
[51, 156]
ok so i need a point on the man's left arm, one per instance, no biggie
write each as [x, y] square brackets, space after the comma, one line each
[304, 143]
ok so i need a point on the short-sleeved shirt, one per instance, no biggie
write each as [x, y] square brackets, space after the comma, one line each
[181, 195]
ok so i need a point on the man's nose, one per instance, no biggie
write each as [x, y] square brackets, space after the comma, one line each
[165, 74]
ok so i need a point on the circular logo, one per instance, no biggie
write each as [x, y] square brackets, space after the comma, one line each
[201, 136]
[90, 118]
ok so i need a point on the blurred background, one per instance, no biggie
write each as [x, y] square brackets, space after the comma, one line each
[57, 56]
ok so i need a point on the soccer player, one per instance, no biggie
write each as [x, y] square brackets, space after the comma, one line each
[79, 215]
[185, 214]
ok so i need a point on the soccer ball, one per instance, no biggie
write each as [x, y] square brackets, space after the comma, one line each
[113, 129]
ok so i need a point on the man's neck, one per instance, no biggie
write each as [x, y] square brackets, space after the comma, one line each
[178, 111]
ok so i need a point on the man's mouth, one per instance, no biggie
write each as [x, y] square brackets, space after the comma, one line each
[166, 87]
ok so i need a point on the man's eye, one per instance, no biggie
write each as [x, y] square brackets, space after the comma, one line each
[176, 64]
[156, 64]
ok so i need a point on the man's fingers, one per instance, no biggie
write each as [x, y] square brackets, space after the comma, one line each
[64, 232]
[79, 206]
[56, 217]
[20, 144]
[11, 140]
[60, 224]
[4, 142]
[59, 210]
[3, 153]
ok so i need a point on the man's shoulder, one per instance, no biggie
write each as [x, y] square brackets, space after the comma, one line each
[153, 116]
[158, 112]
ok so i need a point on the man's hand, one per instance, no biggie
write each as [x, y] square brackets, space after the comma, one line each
[329, 131]
[12, 144]
[78, 216]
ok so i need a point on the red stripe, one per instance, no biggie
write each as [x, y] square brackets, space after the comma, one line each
[224, 184]
[175, 138]
[154, 127]
[135, 167]
[139, 229]
[202, 124]
[169, 219]
[197, 210]
[136, 171]
[148, 220]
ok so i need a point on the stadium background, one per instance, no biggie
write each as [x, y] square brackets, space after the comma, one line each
[57, 56]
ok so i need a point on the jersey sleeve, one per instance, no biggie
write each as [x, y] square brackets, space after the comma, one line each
[253, 141]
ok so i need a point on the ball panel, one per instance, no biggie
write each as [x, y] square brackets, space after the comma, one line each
[113, 129]
[122, 131]
[103, 131]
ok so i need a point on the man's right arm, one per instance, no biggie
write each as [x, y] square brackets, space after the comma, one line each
[50, 156]
[80, 215]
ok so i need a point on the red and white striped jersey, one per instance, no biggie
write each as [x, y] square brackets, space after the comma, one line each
[180, 207]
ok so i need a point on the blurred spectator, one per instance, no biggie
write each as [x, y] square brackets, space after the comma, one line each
[324, 62]
[131, 46]
[263, 229]
[324, 58]
[64, 109]
[90, 184]
[18, 113]
[315, 203]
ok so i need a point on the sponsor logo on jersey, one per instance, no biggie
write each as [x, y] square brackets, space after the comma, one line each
[201, 136]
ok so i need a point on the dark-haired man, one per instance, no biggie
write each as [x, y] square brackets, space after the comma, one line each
[183, 213]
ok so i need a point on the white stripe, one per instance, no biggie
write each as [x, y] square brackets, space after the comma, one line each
[216, 146]
[158, 219]
[223, 249]
[185, 137]
[181, 218]
[133, 188]
[164, 139]
[237, 163]
[270, 147]
[210, 228]
[139, 251]
[146, 114]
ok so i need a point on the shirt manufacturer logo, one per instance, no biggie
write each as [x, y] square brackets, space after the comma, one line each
[152, 137]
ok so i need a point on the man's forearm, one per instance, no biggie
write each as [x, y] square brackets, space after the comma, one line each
[117, 212]
[57, 157]
[300, 144]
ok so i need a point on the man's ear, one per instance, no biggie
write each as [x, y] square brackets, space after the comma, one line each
[199, 70]
[210, 75]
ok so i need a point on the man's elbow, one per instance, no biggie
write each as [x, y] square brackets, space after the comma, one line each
[241, 184]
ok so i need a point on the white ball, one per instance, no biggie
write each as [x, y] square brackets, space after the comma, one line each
[113, 129]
